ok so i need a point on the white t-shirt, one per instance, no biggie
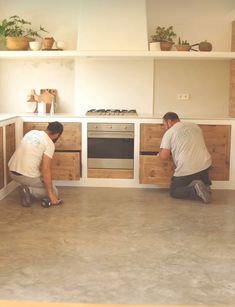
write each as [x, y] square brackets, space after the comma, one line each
[27, 158]
[188, 149]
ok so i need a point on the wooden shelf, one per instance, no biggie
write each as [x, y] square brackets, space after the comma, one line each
[73, 54]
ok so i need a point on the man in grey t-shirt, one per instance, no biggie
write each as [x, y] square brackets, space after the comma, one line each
[185, 142]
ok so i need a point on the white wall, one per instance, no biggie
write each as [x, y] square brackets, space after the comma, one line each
[19, 77]
[59, 18]
[207, 83]
[112, 25]
[194, 21]
[122, 84]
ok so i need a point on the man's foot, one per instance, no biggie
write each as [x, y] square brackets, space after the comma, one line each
[202, 191]
[25, 196]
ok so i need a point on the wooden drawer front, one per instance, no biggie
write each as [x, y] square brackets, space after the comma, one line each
[218, 140]
[110, 173]
[1, 159]
[153, 170]
[10, 145]
[150, 137]
[66, 166]
[70, 138]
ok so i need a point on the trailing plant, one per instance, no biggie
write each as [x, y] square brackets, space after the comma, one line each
[164, 34]
[17, 27]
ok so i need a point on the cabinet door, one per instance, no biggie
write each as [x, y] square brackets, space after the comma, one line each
[70, 138]
[150, 137]
[1, 159]
[218, 139]
[10, 145]
[66, 166]
[153, 170]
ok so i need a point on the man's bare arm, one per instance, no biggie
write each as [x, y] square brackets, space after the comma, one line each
[165, 153]
[46, 173]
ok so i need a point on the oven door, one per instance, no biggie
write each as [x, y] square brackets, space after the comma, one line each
[110, 149]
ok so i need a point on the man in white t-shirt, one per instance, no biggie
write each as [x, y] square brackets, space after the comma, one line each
[185, 143]
[30, 165]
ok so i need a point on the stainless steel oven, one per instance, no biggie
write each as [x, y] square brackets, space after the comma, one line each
[110, 145]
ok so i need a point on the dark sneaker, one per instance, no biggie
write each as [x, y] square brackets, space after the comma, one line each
[25, 196]
[202, 191]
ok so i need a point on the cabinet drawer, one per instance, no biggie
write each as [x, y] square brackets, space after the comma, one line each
[70, 138]
[153, 170]
[1, 159]
[217, 139]
[66, 166]
[150, 137]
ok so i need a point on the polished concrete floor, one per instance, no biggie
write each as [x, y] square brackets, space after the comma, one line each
[121, 246]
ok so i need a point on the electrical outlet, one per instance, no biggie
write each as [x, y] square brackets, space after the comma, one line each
[183, 96]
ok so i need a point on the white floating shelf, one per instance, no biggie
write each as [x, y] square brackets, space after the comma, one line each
[73, 54]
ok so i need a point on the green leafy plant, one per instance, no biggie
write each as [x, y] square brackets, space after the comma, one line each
[182, 42]
[18, 27]
[164, 34]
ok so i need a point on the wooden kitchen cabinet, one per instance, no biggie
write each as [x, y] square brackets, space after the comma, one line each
[70, 138]
[154, 171]
[1, 159]
[150, 137]
[10, 145]
[66, 163]
[218, 142]
[66, 166]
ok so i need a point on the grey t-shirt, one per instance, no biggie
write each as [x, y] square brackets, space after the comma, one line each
[188, 149]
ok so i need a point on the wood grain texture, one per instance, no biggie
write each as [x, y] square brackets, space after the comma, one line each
[66, 166]
[110, 173]
[70, 138]
[218, 142]
[153, 170]
[10, 145]
[150, 137]
[45, 304]
[2, 172]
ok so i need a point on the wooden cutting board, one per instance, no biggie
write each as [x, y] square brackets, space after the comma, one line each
[47, 96]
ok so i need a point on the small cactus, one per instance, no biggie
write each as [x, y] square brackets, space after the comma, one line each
[182, 42]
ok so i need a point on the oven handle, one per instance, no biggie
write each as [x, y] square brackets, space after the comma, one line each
[110, 135]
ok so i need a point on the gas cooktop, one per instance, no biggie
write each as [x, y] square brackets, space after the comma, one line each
[111, 112]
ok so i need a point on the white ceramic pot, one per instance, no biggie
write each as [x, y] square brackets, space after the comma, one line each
[154, 46]
[35, 45]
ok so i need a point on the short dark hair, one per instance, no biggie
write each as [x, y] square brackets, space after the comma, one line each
[171, 116]
[55, 127]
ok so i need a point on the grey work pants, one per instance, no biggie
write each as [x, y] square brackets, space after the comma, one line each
[36, 185]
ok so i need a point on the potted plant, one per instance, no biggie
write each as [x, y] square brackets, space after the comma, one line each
[16, 33]
[183, 45]
[164, 36]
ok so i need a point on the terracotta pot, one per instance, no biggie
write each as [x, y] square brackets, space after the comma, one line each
[18, 43]
[166, 46]
[183, 47]
[48, 42]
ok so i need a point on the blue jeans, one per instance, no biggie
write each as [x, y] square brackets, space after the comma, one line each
[180, 188]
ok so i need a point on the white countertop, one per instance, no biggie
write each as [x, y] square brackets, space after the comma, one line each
[70, 117]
